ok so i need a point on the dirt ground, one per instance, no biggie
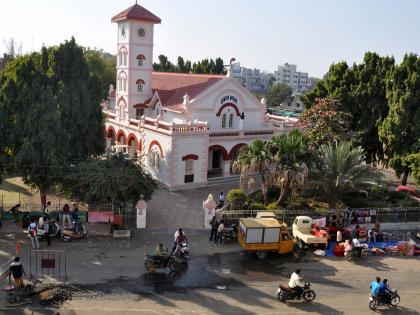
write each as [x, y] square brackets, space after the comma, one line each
[111, 279]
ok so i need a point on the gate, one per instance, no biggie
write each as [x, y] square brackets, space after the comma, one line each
[50, 263]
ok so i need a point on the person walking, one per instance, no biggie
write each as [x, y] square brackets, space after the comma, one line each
[16, 270]
[66, 215]
[32, 229]
[214, 225]
[220, 229]
[47, 230]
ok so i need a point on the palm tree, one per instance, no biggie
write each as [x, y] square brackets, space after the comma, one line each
[253, 160]
[290, 154]
[340, 169]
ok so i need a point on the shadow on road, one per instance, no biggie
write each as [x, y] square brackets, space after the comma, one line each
[314, 307]
[401, 310]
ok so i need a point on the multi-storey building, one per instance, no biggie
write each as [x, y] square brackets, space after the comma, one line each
[298, 81]
[253, 80]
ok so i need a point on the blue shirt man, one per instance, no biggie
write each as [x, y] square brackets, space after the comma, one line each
[375, 287]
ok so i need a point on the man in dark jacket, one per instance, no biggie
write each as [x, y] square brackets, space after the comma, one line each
[214, 225]
[16, 270]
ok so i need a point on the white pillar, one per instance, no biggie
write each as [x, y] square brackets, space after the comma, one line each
[141, 208]
[226, 168]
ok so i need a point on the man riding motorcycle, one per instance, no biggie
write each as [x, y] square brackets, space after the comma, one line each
[295, 283]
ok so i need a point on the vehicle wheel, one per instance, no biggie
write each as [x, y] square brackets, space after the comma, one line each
[54, 230]
[281, 296]
[309, 295]
[395, 300]
[174, 266]
[173, 274]
[261, 254]
[373, 305]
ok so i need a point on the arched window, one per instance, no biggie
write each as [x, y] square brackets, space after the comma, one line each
[230, 120]
[140, 60]
[122, 57]
[122, 82]
[140, 85]
[224, 121]
[122, 110]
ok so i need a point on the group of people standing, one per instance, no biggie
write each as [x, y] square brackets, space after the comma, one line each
[44, 223]
[217, 227]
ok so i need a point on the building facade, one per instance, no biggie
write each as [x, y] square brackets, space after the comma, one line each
[298, 81]
[253, 80]
[183, 128]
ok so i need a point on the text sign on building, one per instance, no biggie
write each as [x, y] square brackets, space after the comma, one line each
[229, 98]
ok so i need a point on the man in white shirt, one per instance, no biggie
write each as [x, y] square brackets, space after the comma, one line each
[295, 283]
[32, 229]
[357, 246]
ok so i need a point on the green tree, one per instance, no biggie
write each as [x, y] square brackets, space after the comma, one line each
[164, 65]
[400, 130]
[413, 162]
[53, 111]
[340, 169]
[114, 180]
[102, 69]
[361, 91]
[325, 122]
[219, 66]
[278, 93]
[237, 198]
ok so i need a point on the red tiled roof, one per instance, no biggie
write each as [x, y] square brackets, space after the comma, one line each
[172, 87]
[136, 12]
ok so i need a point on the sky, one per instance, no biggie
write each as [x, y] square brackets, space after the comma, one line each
[261, 34]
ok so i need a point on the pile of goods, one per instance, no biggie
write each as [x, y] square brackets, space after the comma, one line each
[56, 296]
[402, 248]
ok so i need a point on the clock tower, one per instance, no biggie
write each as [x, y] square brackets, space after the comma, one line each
[134, 59]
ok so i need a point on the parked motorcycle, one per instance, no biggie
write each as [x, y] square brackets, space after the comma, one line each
[78, 231]
[284, 293]
[360, 252]
[230, 234]
[55, 229]
[393, 300]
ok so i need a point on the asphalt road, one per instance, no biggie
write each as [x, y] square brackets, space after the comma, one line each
[111, 279]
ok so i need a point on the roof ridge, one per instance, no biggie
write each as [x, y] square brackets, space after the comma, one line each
[190, 74]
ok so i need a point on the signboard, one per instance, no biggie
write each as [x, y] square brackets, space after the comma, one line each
[100, 216]
[48, 263]
[229, 98]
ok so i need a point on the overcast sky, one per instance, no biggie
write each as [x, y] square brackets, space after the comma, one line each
[260, 34]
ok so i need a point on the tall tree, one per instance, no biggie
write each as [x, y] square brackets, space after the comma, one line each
[400, 130]
[278, 93]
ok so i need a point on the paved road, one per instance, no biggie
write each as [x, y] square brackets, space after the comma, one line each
[113, 276]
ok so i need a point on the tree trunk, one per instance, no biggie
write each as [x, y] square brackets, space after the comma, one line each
[283, 194]
[263, 188]
[43, 195]
[405, 177]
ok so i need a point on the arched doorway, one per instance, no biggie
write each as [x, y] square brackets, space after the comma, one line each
[132, 145]
[217, 157]
[233, 154]
[110, 137]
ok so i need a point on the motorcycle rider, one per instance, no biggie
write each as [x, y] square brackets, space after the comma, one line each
[374, 287]
[295, 283]
[159, 252]
[385, 291]
[179, 237]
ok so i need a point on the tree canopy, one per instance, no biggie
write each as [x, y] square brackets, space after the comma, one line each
[205, 66]
[278, 93]
[52, 113]
[115, 180]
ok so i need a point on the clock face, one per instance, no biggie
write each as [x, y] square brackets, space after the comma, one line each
[141, 32]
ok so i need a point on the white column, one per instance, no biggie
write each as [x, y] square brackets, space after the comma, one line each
[226, 168]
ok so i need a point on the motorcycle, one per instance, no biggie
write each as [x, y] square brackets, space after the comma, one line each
[182, 251]
[230, 234]
[78, 231]
[152, 262]
[392, 300]
[55, 229]
[284, 293]
[360, 252]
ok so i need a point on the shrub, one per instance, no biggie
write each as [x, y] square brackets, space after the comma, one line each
[257, 206]
[297, 202]
[273, 206]
[236, 197]
[256, 196]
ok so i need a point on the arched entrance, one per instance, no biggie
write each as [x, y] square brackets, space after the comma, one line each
[110, 137]
[132, 145]
[233, 154]
[217, 156]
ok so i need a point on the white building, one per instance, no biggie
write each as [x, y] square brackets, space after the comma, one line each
[184, 128]
[298, 81]
[253, 80]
